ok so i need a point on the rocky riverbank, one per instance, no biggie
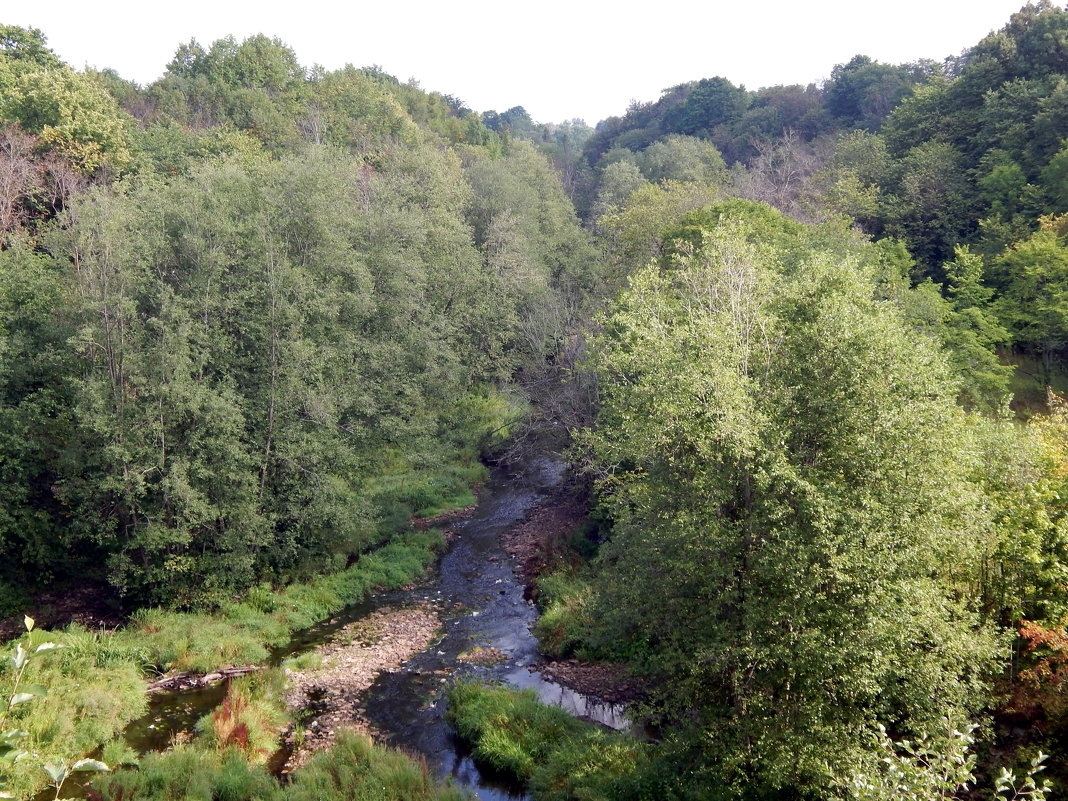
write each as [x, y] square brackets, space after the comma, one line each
[327, 698]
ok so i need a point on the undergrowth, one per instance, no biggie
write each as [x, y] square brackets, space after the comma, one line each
[353, 770]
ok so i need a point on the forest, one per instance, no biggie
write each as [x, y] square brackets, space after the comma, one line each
[803, 348]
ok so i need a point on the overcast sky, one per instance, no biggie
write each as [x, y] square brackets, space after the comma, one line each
[558, 59]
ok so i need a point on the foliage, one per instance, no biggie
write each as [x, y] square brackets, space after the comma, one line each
[227, 437]
[1040, 691]
[1035, 303]
[73, 116]
[935, 768]
[787, 475]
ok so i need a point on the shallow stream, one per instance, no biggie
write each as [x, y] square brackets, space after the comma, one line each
[483, 606]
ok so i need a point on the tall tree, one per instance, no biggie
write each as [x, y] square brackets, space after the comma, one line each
[786, 472]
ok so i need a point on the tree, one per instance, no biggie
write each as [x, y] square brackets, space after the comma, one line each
[709, 102]
[25, 49]
[73, 116]
[1035, 300]
[683, 158]
[787, 476]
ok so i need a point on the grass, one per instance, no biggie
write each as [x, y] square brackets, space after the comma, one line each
[240, 633]
[353, 770]
[251, 717]
[564, 598]
[96, 683]
[425, 493]
[511, 731]
[94, 689]
[311, 660]
[559, 757]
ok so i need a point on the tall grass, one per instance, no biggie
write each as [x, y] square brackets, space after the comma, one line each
[510, 731]
[239, 633]
[250, 718]
[95, 687]
[353, 770]
[564, 598]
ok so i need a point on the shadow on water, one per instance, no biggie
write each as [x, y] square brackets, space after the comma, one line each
[475, 581]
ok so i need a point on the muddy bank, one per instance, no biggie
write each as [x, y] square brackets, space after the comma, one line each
[607, 682]
[539, 542]
[328, 697]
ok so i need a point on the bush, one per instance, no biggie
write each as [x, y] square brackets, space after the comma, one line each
[564, 599]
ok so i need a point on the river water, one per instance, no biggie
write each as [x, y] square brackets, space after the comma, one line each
[475, 584]
[476, 578]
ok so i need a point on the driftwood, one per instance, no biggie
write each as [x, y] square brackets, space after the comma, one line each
[183, 681]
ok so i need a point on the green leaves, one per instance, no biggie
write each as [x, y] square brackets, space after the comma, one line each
[787, 475]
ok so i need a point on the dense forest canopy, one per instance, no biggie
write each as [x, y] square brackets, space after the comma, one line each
[255, 316]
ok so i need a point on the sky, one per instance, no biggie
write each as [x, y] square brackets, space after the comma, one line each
[560, 60]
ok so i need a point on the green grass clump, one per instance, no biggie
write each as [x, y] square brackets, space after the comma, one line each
[511, 730]
[353, 770]
[564, 599]
[250, 718]
[425, 492]
[192, 642]
[311, 660]
[187, 773]
[559, 757]
[596, 766]
[93, 689]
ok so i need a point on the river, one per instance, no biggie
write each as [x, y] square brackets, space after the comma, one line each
[475, 583]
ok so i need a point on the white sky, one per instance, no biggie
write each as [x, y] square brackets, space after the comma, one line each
[558, 59]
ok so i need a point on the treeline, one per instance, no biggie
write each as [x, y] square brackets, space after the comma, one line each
[968, 153]
[254, 316]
